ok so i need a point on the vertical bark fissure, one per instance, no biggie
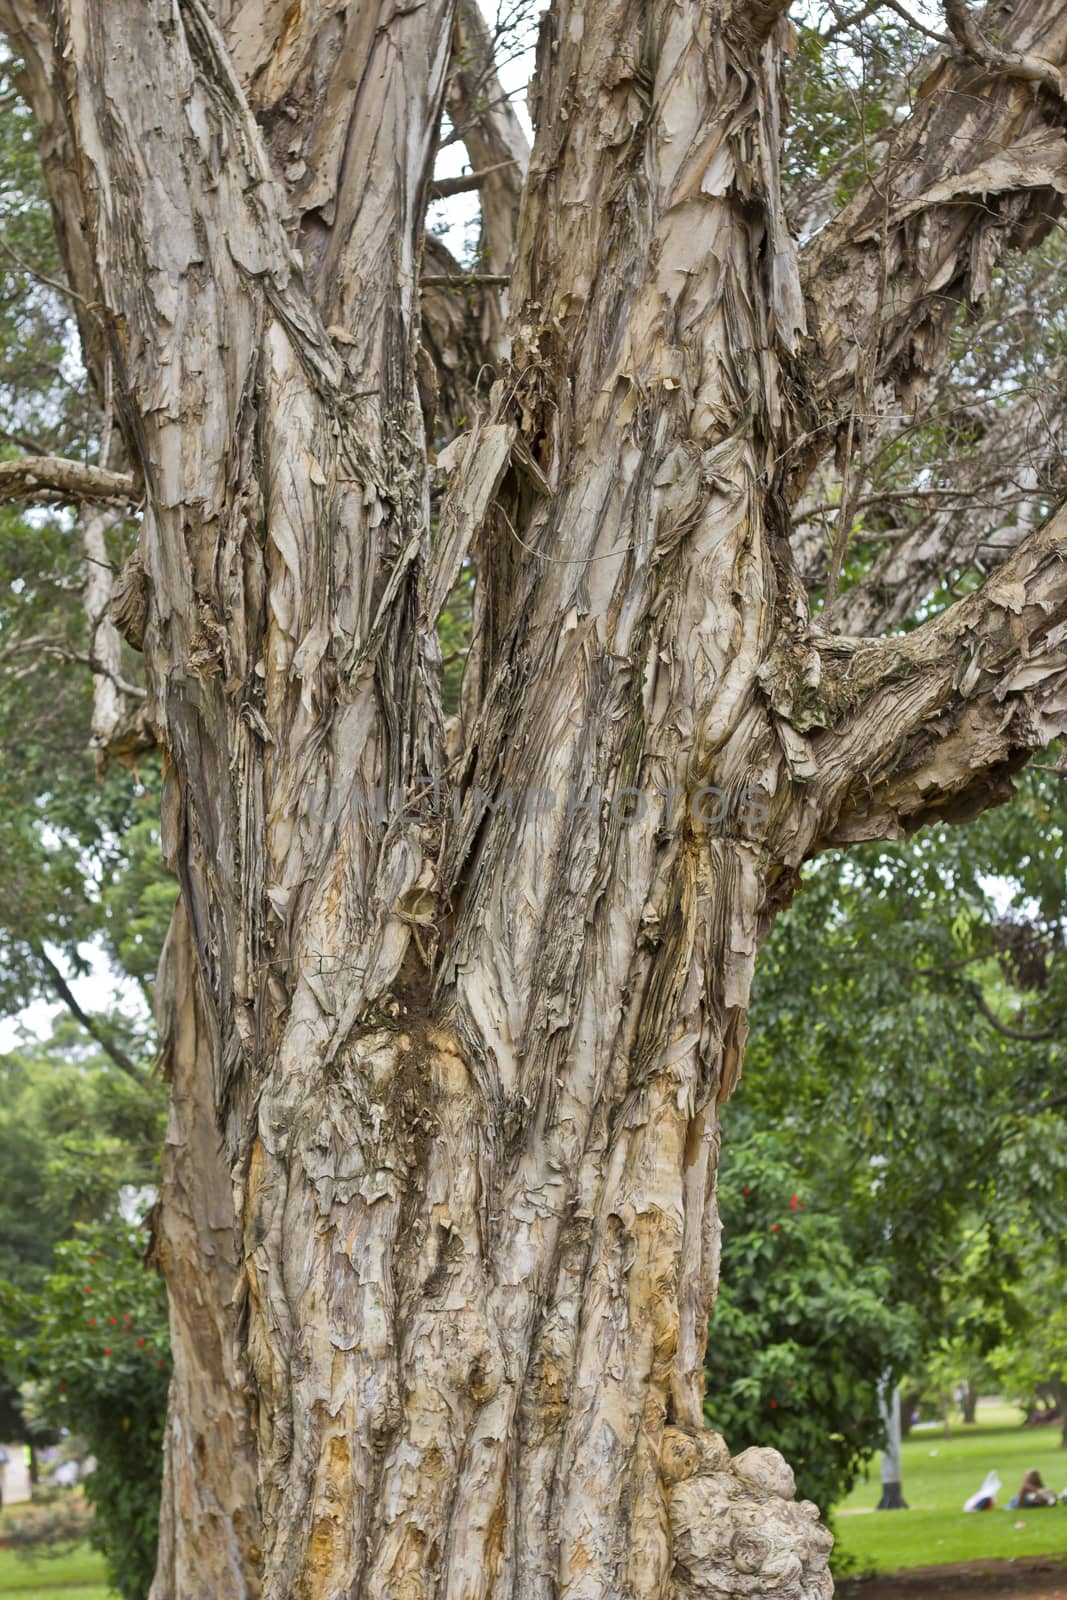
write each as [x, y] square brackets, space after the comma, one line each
[209, 1535]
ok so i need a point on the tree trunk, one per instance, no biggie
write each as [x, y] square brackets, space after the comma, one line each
[208, 1533]
[469, 1025]
[1059, 1389]
[969, 1403]
[892, 1491]
[908, 1401]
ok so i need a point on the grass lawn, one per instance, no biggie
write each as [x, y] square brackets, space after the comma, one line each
[938, 1476]
[79, 1576]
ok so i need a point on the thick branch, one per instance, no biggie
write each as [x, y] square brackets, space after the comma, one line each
[51, 480]
[451, 335]
[977, 167]
[466, 280]
[932, 725]
[1009, 1030]
[118, 727]
[1020, 64]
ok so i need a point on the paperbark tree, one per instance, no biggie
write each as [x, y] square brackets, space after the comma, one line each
[208, 1525]
[470, 1022]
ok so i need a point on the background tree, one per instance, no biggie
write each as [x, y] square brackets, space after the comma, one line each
[92, 1347]
[944, 958]
[803, 1327]
[1032, 1355]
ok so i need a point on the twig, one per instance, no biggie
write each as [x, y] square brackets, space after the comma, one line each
[442, 188]
[437, 280]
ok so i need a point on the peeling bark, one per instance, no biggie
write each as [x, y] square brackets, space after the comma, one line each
[468, 1059]
[209, 1528]
[978, 167]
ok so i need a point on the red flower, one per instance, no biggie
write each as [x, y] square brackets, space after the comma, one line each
[87, 1289]
[140, 1342]
[62, 1384]
[112, 1320]
[794, 1204]
[92, 1322]
[746, 1191]
[162, 1363]
[774, 1227]
[774, 1405]
[107, 1352]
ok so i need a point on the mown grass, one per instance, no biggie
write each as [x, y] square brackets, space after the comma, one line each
[938, 1476]
[76, 1576]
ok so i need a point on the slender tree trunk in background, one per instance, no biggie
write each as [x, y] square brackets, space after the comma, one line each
[969, 1403]
[909, 1400]
[208, 1533]
[469, 1026]
[1059, 1389]
[892, 1490]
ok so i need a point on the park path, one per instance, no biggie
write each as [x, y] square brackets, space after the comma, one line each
[1042, 1579]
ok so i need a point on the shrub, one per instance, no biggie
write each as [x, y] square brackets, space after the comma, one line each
[802, 1332]
[94, 1348]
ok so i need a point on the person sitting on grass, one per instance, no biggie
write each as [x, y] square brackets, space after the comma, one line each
[1032, 1492]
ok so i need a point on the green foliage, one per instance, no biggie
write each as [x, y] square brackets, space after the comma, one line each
[51, 1526]
[875, 1049]
[74, 1134]
[925, 1142]
[61, 830]
[802, 1330]
[44, 404]
[454, 633]
[138, 895]
[842, 91]
[1033, 1353]
[77, 1576]
[94, 1346]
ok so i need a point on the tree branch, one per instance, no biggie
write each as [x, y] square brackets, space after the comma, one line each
[1006, 1029]
[1016, 63]
[450, 335]
[462, 280]
[444, 188]
[91, 1026]
[906, 731]
[499, 151]
[51, 480]
[985, 503]
[964, 177]
[1053, 1103]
